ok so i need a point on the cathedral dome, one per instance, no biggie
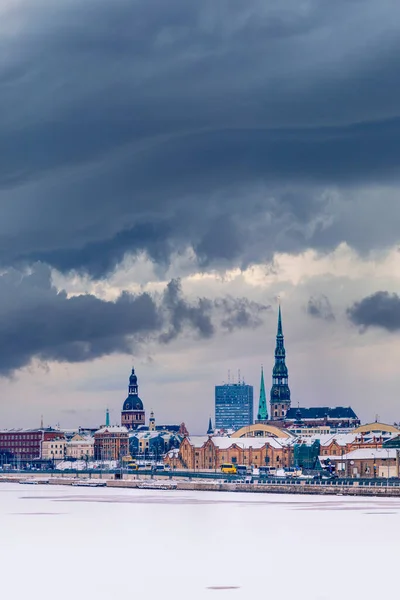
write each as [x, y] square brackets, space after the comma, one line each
[133, 403]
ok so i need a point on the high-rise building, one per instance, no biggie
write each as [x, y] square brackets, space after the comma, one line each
[233, 405]
[132, 414]
[280, 392]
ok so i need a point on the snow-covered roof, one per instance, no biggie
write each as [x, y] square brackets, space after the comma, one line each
[85, 442]
[223, 442]
[173, 453]
[140, 435]
[198, 440]
[326, 439]
[371, 453]
[113, 429]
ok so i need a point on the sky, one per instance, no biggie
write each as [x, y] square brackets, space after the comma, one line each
[169, 170]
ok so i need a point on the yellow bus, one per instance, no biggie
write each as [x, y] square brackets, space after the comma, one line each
[228, 468]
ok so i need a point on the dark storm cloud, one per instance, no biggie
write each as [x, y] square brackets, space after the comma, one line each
[381, 309]
[37, 321]
[320, 308]
[156, 126]
[234, 313]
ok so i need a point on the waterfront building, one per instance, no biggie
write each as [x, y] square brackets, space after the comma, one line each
[25, 444]
[233, 405]
[111, 443]
[205, 452]
[280, 391]
[133, 414]
[155, 440]
[368, 463]
[54, 449]
[80, 448]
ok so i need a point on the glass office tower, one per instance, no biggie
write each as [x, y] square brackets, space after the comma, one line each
[233, 405]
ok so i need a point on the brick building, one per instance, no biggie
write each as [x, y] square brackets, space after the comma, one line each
[208, 452]
[111, 443]
[369, 463]
[26, 444]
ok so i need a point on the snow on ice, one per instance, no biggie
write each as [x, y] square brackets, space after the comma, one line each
[60, 542]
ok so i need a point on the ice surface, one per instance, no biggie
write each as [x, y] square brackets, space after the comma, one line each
[62, 542]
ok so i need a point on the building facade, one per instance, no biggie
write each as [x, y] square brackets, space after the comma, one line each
[133, 414]
[111, 443]
[54, 449]
[26, 444]
[80, 448]
[280, 391]
[369, 463]
[233, 405]
[338, 417]
[211, 452]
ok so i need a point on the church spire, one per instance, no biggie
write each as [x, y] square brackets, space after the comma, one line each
[210, 429]
[280, 330]
[262, 414]
[280, 392]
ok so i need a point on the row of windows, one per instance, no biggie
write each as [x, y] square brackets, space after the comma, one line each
[19, 436]
[12, 443]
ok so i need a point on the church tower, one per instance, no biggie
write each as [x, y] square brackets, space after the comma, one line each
[132, 414]
[280, 392]
[152, 422]
[262, 414]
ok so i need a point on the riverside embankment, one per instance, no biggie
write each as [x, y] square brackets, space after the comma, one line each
[348, 488]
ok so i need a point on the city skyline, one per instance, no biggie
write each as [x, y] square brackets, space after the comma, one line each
[115, 394]
[217, 158]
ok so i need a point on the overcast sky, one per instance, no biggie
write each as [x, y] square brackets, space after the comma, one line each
[168, 169]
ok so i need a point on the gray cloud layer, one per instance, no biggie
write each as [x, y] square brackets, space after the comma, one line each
[381, 309]
[153, 126]
[320, 308]
[37, 321]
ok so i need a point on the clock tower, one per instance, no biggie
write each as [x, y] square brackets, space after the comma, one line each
[280, 392]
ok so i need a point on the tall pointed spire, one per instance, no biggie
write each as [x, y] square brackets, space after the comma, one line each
[280, 392]
[262, 414]
[210, 429]
[280, 330]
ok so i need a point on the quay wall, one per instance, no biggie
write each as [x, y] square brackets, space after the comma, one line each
[270, 488]
[217, 486]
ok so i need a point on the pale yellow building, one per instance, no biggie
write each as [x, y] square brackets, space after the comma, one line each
[80, 448]
[54, 449]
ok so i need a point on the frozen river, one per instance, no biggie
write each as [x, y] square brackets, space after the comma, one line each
[66, 542]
